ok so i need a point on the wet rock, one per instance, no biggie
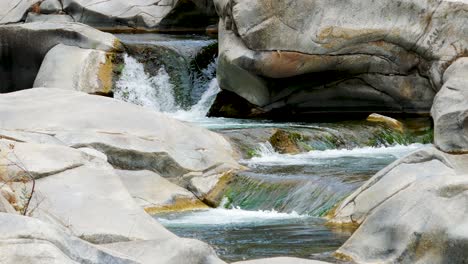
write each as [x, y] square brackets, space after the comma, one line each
[281, 260]
[284, 142]
[450, 110]
[391, 122]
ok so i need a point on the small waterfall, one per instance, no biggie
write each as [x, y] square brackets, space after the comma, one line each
[137, 87]
[309, 183]
[157, 92]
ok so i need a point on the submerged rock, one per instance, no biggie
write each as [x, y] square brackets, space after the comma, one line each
[300, 59]
[410, 212]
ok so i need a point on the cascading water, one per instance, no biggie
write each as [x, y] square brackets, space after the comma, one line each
[157, 92]
[275, 208]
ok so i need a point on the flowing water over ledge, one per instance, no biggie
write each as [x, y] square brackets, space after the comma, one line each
[276, 207]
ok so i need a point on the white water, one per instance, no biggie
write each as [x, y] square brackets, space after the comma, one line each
[268, 156]
[221, 216]
[137, 87]
[156, 92]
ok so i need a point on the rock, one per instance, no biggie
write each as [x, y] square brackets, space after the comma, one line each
[156, 194]
[172, 251]
[34, 17]
[391, 122]
[284, 142]
[25, 46]
[78, 192]
[50, 7]
[28, 240]
[410, 212]
[12, 11]
[94, 153]
[5, 206]
[74, 68]
[144, 15]
[281, 260]
[450, 110]
[152, 141]
[300, 59]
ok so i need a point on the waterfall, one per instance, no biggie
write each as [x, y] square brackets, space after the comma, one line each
[157, 92]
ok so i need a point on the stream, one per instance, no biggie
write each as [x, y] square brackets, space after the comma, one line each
[275, 208]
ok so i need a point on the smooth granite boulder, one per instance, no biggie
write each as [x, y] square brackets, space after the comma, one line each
[74, 68]
[306, 57]
[12, 11]
[28, 240]
[450, 110]
[413, 211]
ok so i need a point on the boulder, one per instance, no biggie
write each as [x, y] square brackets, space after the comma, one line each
[76, 191]
[153, 141]
[172, 251]
[301, 59]
[24, 46]
[156, 194]
[143, 15]
[55, 18]
[450, 110]
[74, 68]
[28, 240]
[12, 11]
[50, 7]
[410, 212]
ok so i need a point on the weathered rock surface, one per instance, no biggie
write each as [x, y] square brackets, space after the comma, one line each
[156, 194]
[76, 191]
[143, 14]
[413, 211]
[301, 58]
[450, 110]
[55, 18]
[51, 7]
[152, 141]
[74, 68]
[172, 251]
[12, 11]
[24, 47]
[29, 240]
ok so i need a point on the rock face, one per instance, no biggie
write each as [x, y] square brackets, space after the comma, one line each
[410, 212]
[28, 240]
[117, 15]
[143, 14]
[24, 47]
[450, 110]
[62, 149]
[301, 58]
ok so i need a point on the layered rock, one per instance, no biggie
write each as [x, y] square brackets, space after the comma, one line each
[305, 57]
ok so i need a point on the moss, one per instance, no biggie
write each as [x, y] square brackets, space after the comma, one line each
[214, 197]
[252, 153]
[181, 204]
[285, 142]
